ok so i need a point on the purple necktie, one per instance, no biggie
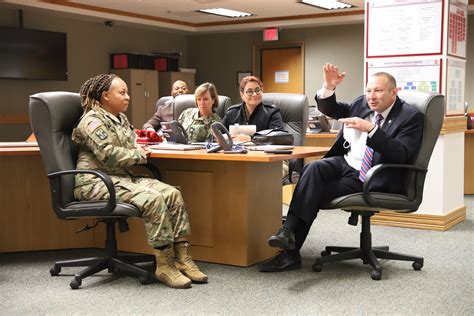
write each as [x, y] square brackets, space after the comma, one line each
[368, 157]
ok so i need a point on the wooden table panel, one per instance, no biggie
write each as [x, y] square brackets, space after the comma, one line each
[234, 203]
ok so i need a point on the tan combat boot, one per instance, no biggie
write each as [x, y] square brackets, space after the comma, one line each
[166, 271]
[185, 263]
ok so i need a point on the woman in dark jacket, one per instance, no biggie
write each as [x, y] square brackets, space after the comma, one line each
[252, 111]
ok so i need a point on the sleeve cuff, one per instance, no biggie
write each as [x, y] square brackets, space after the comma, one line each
[372, 132]
[324, 93]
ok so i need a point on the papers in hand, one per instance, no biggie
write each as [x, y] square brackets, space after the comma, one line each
[174, 146]
[270, 147]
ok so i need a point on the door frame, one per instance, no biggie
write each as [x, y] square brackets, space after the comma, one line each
[257, 56]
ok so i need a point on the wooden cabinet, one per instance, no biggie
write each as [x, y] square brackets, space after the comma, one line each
[168, 77]
[143, 90]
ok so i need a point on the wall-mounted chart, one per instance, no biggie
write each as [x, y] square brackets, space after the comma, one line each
[457, 28]
[410, 74]
[401, 28]
[456, 73]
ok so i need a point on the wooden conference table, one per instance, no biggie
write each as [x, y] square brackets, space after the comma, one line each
[233, 201]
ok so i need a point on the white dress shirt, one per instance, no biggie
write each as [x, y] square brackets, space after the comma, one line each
[355, 159]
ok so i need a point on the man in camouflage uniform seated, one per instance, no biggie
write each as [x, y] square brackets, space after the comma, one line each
[106, 142]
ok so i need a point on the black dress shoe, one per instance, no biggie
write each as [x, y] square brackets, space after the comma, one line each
[285, 261]
[284, 239]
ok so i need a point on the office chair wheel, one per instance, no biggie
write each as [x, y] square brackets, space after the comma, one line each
[376, 275]
[54, 271]
[75, 284]
[144, 280]
[317, 267]
[417, 265]
[325, 253]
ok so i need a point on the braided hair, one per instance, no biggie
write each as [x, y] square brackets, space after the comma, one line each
[92, 89]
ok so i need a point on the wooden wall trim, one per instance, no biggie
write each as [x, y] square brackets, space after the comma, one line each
[453, 124]
[421, 221]
[95, 8]
[14, 119]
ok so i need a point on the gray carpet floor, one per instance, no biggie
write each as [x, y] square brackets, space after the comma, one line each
[444, 286]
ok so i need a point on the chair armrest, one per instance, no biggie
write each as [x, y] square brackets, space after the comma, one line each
[111, 203]
[154, 169]
[372, 173]
[151, 171]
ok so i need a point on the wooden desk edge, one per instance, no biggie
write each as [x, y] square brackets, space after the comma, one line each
[251, 156]
[321, 135]
[20, 151]
[298, 152]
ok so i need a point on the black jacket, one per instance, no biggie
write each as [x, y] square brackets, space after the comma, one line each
[397, 141]
[265, 116]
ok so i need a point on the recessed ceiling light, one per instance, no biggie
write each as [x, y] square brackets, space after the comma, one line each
[327, 4]
[226, 12]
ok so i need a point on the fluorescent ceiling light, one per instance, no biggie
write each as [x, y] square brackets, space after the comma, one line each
[327, 4]
[226, 12]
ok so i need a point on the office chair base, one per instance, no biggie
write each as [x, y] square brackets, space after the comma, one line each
[111, 261]
[369, 257]
[366, 252]
[125, 263]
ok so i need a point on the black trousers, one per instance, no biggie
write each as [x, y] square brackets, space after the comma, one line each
[320, 182]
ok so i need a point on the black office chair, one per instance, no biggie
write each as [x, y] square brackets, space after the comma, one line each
[367, 203]
[294, 112]
[166, 106]
[186, 101]
[53, 116]
[162, 101]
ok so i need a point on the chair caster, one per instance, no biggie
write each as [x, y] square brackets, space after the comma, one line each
[144, 280]
[54, 271]
[325, 253]
[376, 275]
[317, 267]
[75, 284]
[417, 265]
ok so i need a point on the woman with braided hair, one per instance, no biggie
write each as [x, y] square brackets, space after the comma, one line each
[107, 142]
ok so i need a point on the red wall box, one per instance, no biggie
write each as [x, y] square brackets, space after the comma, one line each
[125, 60]
[166, 62]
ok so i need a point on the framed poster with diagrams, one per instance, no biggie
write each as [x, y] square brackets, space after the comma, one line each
[455, 80]
[422, 74]
[404, 28]
[457, 28]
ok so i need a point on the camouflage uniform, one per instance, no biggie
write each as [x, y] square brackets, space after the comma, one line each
[198, 128]
[107, 143]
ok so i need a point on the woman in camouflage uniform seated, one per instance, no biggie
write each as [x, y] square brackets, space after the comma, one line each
[107, 142]
[197, 121]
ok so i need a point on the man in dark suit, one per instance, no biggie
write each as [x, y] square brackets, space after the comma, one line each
[391, 132]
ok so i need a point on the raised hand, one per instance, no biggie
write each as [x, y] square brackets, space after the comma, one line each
[332, 76]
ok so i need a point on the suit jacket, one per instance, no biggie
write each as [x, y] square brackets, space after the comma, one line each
[164, 113]
[397, 141]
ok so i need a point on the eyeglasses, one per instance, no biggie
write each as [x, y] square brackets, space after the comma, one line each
[250, 92]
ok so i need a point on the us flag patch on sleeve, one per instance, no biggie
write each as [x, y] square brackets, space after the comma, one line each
[93, 125]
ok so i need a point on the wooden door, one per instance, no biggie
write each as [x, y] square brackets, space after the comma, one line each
[282, 69]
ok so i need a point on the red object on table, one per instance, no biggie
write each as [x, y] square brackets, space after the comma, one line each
[146, 136]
